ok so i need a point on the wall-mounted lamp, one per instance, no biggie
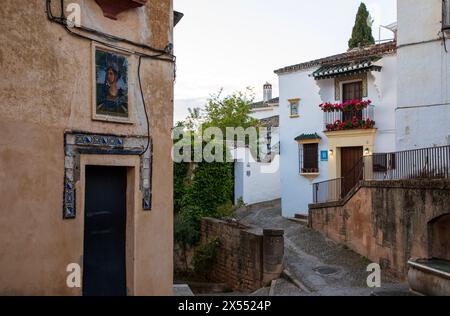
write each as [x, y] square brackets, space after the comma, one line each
[331, 152]
[366, 152]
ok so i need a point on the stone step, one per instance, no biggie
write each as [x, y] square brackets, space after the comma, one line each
[301, 216]
[300, 221]
[182, 290]
[291, 278]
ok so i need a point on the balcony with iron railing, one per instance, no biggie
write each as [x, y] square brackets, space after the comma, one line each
[348, 116]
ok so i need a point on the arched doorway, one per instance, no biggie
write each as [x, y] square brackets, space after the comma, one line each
[439, 237]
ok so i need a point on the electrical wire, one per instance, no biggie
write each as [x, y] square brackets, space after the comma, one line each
[63, 21]
[145, 108]
[444, 39]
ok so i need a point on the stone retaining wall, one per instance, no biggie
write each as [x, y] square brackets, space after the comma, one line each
[248, 258]
[388, 222]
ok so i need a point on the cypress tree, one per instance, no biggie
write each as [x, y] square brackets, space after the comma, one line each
[362, 31]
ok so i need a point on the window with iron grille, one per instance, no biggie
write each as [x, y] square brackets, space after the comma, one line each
[309, 158]
[446, 14]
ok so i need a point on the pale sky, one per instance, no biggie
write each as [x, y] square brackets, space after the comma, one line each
[234, 44]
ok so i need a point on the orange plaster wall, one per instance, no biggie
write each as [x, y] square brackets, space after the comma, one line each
[46, 90]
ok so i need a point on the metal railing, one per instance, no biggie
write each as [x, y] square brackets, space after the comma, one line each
[337, 189]
[327, 191]
[426, 163]
[364, 114]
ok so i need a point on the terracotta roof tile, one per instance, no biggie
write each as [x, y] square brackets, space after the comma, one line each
[262, 104]
[377, 50]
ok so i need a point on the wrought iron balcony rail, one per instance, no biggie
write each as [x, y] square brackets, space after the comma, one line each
[355, 119]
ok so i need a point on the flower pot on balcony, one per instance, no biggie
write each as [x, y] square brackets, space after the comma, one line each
[111, 8]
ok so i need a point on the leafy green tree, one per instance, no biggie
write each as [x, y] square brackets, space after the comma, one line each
[194, 119]
[210, 188]
[362, 31]
[230, 111]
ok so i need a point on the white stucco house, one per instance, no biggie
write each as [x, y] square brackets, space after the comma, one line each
[257, 181]
[407, 82]
[309, 151]
[423, 107]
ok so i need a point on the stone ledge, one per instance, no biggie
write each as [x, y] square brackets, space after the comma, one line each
[420, 184]
[423, 184]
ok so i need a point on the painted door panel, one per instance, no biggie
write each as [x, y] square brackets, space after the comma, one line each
[104, 272]
[351, 167]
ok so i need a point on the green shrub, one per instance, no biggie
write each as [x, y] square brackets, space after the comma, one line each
[180, 171]
[226, 210]
[187, 228]
[205, 256]
[211, 186]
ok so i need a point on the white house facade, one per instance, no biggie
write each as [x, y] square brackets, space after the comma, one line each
[423, 108]
[255, 181]
[311, 152]
[258, 180]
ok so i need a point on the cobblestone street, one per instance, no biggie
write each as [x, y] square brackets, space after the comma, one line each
[321, 266]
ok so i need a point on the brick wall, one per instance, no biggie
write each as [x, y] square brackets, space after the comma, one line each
[247, 258]
[388, 222]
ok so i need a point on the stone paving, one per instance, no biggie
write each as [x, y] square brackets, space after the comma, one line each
[308, 252]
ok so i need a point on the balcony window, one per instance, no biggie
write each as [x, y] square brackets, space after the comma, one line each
[348, 115]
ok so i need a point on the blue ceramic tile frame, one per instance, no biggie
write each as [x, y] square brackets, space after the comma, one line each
[77, 143]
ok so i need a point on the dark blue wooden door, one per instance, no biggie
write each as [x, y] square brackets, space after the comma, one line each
[104, 272]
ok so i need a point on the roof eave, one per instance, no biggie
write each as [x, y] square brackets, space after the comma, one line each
[348, 73]
[378, 50]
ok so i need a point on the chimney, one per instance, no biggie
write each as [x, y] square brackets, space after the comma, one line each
[267, 92]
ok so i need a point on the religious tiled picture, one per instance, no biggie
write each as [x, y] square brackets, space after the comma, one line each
[111, 84]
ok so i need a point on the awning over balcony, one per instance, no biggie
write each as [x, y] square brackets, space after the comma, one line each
[339, 70]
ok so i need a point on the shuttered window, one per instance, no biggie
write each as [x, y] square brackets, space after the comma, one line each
[309, 158]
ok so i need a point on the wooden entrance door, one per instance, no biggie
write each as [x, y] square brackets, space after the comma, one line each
[104, 232]
[352, 91]
[351, 168]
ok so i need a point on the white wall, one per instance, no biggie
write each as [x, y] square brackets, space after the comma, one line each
[239, 169]
[296, 190]
[383, 93]
[423, 76]
[255, 182]
[260, 114]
